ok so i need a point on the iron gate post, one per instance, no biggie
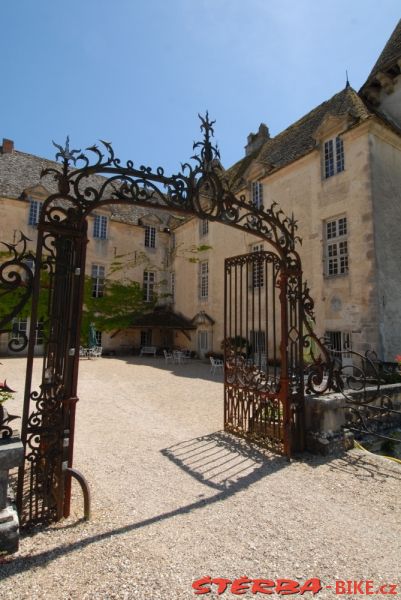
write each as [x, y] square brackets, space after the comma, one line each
[48, 431]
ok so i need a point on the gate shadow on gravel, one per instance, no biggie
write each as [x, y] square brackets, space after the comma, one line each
[364, 466]
[223, 462]
[219, 461]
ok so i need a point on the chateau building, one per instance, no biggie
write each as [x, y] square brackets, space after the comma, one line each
[337, 169]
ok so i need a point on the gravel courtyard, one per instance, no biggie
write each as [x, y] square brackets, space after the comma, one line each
[175, 499]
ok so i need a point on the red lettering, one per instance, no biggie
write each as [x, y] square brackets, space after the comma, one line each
[358, 587]
[340, 587]
[199, 584]
[222, 584]
[261, 586]
[285, 587]
[392, 589]
[240, 586]
[311, 585]
[369, 587]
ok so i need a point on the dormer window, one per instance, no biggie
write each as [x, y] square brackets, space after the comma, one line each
[100, 227]
[34, 212]
[257, 194]
[150, 236]
[333, 157]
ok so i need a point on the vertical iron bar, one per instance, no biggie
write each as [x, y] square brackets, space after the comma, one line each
[284, 384]
[29, 366]
[75, 318]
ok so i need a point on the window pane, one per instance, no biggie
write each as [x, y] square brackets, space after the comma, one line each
[148, 286]
[100, 227]
[98, 276]
[257, 194]
[328, 159]
[34, 212]
[339, 155]
[331, 229]
[150, 236]
[204, 227]
[204, 279]
[342, 226]
[336, 247]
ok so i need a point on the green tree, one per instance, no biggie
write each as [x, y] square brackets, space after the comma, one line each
[122, 301]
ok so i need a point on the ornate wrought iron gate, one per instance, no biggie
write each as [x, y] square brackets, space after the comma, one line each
[263, 386]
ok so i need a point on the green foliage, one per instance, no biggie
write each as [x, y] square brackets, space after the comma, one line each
[5, 396]
[191, 254]
[122, 301]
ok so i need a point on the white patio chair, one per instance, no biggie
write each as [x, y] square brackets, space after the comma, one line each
[178, 357]
[83, 352]
[168, 356]
[216, 364]
[95, 352]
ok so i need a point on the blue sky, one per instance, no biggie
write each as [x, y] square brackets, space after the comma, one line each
[137, 72]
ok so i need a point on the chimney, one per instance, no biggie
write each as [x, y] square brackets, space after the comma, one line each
[7, 147]
[256, 140]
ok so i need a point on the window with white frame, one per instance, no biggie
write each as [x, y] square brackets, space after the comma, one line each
[336, 247]
[20, 329]
[149, 279]
[98, 336]
[333, 157]
[34, 211]
[172, 286]
[150, 236]
[203, 227]
[100, 227]
[98, 276]
[203, 280]
[257, 268]
[257, 194]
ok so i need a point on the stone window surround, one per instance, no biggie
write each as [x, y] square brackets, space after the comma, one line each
[335, 253]
[98, 276]
[100, 225]
[150, 236]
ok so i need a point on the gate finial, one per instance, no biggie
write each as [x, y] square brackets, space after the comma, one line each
[65, 153]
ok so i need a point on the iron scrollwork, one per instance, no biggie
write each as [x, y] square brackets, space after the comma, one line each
[5, 417]
[201, 189]
[16, 282]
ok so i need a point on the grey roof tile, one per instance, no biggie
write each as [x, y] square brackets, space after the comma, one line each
[298, 139]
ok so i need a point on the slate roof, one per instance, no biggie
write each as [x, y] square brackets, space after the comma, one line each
[391, 52]
[297, 140]
[20, 171]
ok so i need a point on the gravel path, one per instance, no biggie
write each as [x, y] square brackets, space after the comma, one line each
[175, 499]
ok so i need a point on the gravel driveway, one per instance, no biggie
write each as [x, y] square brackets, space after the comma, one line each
[175, 499]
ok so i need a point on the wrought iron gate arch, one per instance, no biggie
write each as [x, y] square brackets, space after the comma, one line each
[201, 190]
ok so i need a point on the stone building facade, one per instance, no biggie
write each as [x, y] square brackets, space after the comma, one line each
[337, 169]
